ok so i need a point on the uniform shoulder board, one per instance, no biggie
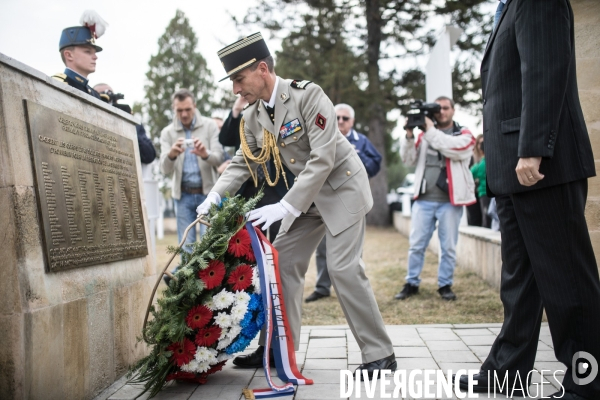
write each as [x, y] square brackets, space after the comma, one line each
[300, 84]
[60, 77]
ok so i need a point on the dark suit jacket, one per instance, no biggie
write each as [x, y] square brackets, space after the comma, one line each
[531, 105]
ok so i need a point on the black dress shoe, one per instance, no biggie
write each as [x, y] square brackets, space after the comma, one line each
[447, 293]
[253, 360]
[385, 363]
[566, 395]
[484, 386]
[314, 296]
[407, 291]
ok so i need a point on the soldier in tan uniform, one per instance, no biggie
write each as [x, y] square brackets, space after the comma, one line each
[295, 124]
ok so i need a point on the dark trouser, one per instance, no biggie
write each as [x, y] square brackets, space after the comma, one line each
[323, 285]
[547, 262]
[484, 203]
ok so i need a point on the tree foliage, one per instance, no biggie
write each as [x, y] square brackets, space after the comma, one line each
[360, 51]
[176, 65]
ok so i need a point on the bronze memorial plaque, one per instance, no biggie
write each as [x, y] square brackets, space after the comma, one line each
[87, 191]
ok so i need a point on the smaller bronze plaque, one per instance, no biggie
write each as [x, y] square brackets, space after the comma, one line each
[87, 191]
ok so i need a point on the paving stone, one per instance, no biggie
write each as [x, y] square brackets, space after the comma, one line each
[549, 365]
[439, 336]
[484, 325]
[334, 342]
[127, 392]
[327, 333]
[481, 351]
[354, 357]
[412, 352]
[402, 342]
[455, 366]
[332, 363]
[454, 356]
[232, 376]
[318, 391]
[163, 395]
[543, 347]
[479, 340]
[304, 337]
[353, 346]
[546, 356]
[324, 352]
[416, 363]
[221, 392]
[473, 332]
[323, 375]
[260, 382]
[446, 345]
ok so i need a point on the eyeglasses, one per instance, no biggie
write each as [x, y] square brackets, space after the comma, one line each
[343, 118]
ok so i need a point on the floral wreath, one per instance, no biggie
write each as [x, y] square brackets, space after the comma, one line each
[212, 308]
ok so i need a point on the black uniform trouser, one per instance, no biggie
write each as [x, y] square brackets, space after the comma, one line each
[547, 262]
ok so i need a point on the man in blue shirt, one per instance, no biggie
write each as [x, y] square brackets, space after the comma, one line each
[190, 155]
[371, 159]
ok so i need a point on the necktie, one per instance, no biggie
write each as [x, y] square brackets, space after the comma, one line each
[498, 14]
[271, 113]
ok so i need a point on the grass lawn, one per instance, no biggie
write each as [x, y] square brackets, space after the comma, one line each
[385, 254]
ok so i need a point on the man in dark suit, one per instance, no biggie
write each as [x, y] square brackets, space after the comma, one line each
[539, 157]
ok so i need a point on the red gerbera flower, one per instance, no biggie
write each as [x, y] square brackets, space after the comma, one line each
[241, 277]
[198, 317]
[208, 336]
[213, 275]
[250, 255]
[182, 352]
[182, 376]
[239, 243]
[216, 368]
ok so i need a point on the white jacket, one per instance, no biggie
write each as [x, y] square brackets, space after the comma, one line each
[458, 150]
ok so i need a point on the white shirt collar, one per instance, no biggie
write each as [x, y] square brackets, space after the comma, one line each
[504, 1]
[271, 102]
[352, 133]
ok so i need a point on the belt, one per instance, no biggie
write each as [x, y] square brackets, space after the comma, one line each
[191, 190]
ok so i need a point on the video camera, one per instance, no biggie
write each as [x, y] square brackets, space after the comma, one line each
[418, 111]
[112, 99]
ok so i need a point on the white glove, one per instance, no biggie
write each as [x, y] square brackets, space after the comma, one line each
[267, 214]
[211, 198]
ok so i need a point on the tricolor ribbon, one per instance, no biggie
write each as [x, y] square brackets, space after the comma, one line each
[278, 332]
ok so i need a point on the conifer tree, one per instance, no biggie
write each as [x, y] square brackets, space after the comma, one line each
[176, 65]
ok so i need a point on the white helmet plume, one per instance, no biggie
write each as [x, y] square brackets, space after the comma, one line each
[94, 22]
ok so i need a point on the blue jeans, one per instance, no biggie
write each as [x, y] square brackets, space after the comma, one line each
[423, 218]
[185, 210]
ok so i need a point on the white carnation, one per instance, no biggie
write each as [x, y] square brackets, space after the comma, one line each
[234, 331]
[210, 304]
[203, 366]
[242, 297]
[223, 299]
[238, 312]
[256, 280]
[223, 320]
[224, 357]
[223, 334]
[192, 366]
[205, 354]
[224, 343]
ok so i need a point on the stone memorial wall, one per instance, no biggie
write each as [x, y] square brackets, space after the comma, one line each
[75, 272]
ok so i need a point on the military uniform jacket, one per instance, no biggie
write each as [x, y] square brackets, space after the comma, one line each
[328, 171]
[77, 81]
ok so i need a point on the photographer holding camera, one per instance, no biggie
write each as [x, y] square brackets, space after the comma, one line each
[190, 153]
[443, 185]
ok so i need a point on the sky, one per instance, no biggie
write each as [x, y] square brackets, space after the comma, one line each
[30, 31]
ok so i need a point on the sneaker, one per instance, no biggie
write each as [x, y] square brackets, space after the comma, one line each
[447, 293]
[407, 291]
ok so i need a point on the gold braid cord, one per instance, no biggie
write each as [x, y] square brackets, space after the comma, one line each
[269, 150]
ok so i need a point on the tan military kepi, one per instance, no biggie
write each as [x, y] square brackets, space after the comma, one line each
[332, 191]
